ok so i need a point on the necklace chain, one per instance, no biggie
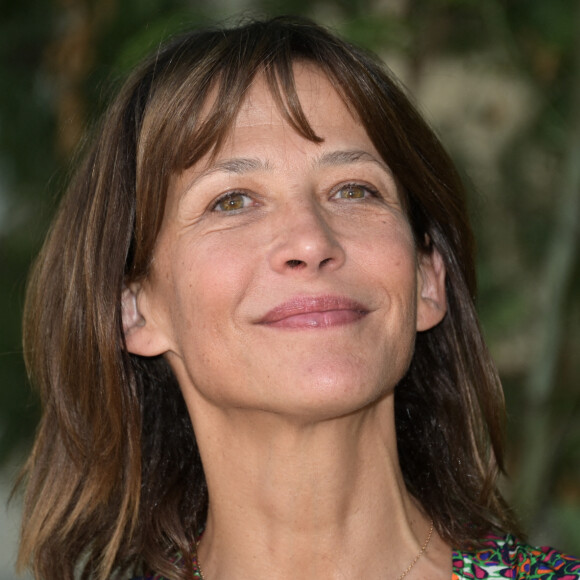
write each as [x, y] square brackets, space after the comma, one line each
[423, 548]
[407, 570]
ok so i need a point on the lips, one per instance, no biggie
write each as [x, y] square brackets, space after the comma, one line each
[315, 312]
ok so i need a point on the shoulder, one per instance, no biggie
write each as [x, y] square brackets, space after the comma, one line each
[506, 557]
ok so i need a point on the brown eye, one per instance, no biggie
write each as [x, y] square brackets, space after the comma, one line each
[232, 202]
[353, 191]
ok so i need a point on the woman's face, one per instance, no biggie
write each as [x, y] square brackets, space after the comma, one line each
[285, 277]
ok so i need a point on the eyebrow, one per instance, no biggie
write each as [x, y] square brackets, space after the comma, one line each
[335, 158]
[242, 165]
[236, 165]
[239, 165]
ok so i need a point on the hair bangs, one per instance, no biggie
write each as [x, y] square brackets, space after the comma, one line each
[191, 108]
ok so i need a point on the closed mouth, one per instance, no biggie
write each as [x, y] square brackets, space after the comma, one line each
[315, 312]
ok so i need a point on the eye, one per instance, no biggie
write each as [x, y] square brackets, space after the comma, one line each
[354, 191]
[232, 202]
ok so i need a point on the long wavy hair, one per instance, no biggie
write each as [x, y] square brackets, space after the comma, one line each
[115, 483]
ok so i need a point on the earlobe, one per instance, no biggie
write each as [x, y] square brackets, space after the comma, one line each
[142, 336]
[431, 296]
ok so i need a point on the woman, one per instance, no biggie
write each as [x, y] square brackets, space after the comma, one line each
[253, 330]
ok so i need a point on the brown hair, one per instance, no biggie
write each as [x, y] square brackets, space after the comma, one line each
[115, 482]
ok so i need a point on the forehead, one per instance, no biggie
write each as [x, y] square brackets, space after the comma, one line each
[261, 139]
[318, 100]
[263, 117]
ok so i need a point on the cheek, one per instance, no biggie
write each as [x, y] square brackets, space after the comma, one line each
[388, 263]
[207, 283]
[388, 256]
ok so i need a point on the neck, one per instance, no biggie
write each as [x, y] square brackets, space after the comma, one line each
[325, 498]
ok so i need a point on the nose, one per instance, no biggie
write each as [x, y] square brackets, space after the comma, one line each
[306, 243]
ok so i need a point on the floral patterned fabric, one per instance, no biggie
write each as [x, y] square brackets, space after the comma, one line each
[500, 558]
[508, 558]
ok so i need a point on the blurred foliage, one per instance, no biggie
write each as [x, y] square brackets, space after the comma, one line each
[499, 80]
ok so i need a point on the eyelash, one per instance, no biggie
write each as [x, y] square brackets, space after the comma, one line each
[367, 188]
[224, 198]
[345, 186]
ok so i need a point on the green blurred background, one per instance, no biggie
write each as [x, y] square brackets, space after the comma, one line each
[500, 82]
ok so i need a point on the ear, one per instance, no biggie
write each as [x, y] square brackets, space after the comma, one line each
[142, 335]
[431, 298]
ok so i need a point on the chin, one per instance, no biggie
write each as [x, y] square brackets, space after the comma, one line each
[328, 396]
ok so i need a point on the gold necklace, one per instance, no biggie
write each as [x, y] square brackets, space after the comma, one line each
[408, 569]
[410, 566]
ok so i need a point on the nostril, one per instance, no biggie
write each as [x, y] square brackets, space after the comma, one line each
[325, 261]
[295, 263]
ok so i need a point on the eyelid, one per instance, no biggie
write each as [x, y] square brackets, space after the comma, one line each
[214, 205]
[229, 194]
[363, 185]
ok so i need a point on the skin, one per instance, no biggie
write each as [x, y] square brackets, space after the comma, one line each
[288, 311]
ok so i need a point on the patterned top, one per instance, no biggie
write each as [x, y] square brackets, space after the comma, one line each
[507, 558]
[499, 558]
